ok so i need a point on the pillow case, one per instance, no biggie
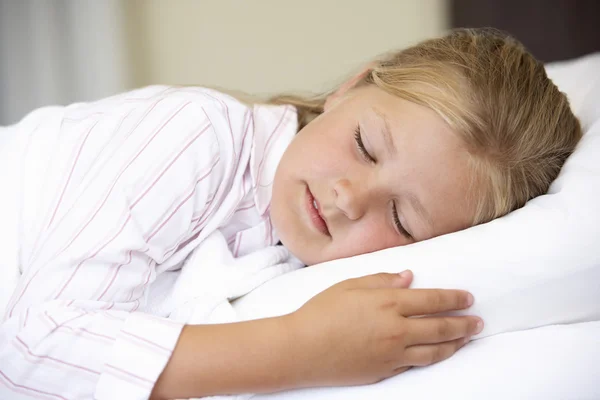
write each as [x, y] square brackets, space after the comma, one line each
[537, 266]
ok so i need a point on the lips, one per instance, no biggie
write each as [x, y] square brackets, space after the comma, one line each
[314, 214]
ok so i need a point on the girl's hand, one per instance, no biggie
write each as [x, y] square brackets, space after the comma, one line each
[359, 331]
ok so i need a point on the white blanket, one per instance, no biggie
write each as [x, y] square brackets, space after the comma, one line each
[210, 278]
[9, 265]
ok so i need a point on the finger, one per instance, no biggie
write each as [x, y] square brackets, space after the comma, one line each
[432, 301]
[441, 329]
[382, 281]
[400, 370]
[427, 354]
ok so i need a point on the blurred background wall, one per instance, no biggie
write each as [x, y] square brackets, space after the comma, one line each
[271, 45]
[60, 51]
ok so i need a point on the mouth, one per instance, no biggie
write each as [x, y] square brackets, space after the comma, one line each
[314, 213]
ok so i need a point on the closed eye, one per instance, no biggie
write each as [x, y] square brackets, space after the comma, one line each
[398, 224]
[361, 146]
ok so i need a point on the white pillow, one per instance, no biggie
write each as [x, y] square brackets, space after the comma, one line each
[537, 266]
[524, 365]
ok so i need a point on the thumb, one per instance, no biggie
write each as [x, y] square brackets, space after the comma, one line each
[384, 280]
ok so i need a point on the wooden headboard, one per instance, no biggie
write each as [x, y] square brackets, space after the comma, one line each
[551, 29]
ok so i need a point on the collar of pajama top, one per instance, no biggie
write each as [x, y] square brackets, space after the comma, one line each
[250, 227]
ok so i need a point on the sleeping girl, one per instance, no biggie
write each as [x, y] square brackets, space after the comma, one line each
[451, 133]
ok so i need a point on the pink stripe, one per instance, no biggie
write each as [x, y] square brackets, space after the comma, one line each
[231, 240]
[260, 166]
[42, 357]
[137, 301]
[90, 257]
[228, 120]
[50, 325]
[168, 350]
[144, 286]
[204, 217]
[29, 388]
[237, 248]
[70, 174]
[130, 374]
[244, 193]
[115, 273]
[245, 208]
[50, 318]
[204, 208]
[188, 241]
[148, 269]
[112, 316]
[250, 122]
[112, 136]
[81, 314]
[169, 165]
[170, 216]
[79, 332]
[12, 309]
[208, 173]
[126, 379]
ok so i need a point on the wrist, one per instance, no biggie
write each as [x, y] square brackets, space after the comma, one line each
[244, 357]
[305, 352]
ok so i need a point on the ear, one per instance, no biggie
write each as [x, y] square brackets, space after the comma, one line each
[346, 86]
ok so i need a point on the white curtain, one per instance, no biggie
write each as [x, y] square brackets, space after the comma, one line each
[58, 52]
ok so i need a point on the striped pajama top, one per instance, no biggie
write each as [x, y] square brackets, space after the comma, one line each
[98, 200]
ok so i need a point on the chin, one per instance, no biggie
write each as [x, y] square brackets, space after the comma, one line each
[295, 250]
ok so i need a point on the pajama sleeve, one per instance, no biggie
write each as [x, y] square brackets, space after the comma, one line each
[112, 190]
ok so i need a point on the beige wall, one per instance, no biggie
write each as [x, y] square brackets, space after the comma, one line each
[266, 46]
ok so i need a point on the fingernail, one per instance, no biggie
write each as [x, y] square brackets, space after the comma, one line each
[479, 327]
[466, 340]
[404, 274]
[470, 300]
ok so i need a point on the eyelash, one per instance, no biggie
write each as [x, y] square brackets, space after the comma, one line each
[371, 159]
[403, 231]
[361, 146]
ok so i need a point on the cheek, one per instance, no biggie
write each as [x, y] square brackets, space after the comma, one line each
[369, 236]
[324, 150]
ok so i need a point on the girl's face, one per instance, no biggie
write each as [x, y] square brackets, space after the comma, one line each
[373, 171]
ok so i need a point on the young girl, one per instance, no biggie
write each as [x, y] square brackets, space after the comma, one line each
[106, 196]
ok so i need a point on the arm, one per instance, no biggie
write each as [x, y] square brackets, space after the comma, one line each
[244, 357]
[321, 344]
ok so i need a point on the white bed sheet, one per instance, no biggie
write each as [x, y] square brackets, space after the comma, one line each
[555, 362]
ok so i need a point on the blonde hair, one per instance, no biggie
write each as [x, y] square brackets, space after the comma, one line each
[516, 125]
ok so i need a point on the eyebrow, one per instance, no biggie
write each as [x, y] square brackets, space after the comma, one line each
[387, 133]
[418, 207]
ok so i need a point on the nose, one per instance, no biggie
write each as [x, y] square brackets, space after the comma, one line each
[350, 198]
